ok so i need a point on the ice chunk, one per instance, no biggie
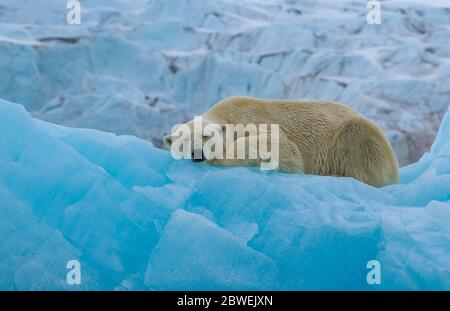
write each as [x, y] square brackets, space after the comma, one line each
[197, 254]
[137, 219]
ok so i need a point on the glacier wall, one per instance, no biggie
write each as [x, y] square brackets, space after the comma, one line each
[137, 219]
[139, 66]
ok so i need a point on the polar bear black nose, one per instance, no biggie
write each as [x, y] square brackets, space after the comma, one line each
[197, 155]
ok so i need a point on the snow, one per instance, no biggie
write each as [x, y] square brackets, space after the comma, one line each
[139, 66]
[137, 219]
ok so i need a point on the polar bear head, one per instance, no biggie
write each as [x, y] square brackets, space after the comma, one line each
[199, 139]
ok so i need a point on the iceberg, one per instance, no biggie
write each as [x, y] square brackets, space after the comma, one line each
[136, 219]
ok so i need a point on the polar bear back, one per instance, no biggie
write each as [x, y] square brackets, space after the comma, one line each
[332, 138]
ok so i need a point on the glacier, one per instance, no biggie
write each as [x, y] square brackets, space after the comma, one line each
[136, 219]
[139, 66]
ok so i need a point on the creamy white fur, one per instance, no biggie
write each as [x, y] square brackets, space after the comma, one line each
[316, 137]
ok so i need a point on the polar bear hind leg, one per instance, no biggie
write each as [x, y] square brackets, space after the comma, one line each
[362, 151]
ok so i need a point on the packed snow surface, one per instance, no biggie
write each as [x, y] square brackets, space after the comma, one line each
[139, 66]
[135, 218]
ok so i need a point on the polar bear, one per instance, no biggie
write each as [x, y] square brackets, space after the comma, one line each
[315, 137]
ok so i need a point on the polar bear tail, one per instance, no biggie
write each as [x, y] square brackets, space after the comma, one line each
[362, 151]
